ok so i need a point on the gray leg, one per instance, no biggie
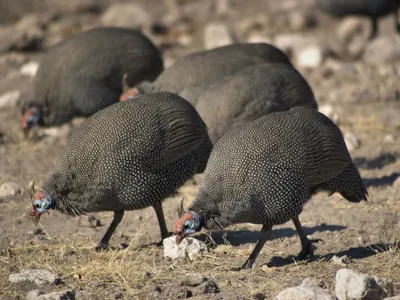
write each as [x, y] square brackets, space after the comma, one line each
[306, 244]
[118, 215]
[265, 234]
[161, 221]
[374, 30]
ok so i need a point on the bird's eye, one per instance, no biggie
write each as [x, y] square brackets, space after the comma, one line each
[37, 204]
[187, 224]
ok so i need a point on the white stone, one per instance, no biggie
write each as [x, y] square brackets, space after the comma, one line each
[352, 142]
[350, 27]
[9, 189]
[184, 40]
[9, 99]
[59, 295]
[217, 35]
[352, 285]
[257, 37]
[38, 276]
[308, 290]
[328, 111]
[300, 20]
[63, 130]
[309, 57]
[130, 15]
[222, 6]
[383, 50]
[189, 248]
[306, 50]
[29, 69]
[389, 138]
[341, 261]
[396, 183]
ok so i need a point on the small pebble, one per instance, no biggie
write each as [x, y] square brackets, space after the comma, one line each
[396, 183]
[259, 296]
[9, 99]
[341, 261]
[217, 35]
[389, 138]
[194, 280]
[77, 276]
[352, 142]
[9, 189]
[36, 231]
[184, 293]
[310, 57]
[210, 287]
[29, 69]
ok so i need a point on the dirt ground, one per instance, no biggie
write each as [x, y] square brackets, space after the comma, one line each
[365, 98]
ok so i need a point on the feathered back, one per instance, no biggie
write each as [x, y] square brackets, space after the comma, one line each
[84, 74]
[264, 171]
[373, 8]
[252, 93]
[190, 75]
[130, 153]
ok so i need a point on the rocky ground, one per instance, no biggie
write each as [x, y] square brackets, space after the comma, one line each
[356, 83]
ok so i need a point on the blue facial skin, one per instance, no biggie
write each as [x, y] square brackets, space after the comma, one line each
[190, 227]
[33, 120]
[43, 206]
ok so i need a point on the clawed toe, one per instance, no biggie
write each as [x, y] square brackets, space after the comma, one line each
[101, 247]
[307, 250]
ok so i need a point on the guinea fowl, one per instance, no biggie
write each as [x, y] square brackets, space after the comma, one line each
[84, 74]
[192, 74]
[250, 94]
[263, 172]
[128, 156]
[374, 9]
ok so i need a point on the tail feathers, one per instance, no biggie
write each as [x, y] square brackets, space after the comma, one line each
[349, 184]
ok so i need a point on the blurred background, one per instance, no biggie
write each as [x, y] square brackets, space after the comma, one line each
[356, 82]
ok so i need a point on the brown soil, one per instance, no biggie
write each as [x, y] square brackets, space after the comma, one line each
[366, 232]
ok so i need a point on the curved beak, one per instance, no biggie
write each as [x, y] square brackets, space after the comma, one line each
[25, 131]
[24, 126]
[35, 216]
[129, 94]
[179, 237]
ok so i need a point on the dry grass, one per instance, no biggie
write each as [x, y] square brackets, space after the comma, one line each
[137, 269]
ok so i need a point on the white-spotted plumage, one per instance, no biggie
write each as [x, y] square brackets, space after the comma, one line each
[264, 171]
[130, 155]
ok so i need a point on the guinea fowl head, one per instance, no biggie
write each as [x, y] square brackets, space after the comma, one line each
[29, 119]
[189, 223]
[41, 203]
[129, 94]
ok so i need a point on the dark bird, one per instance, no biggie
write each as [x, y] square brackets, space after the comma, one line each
[250, 94]
[374, 9]
[263, 172]
[192, 74]
[128, 156]
[84, 74]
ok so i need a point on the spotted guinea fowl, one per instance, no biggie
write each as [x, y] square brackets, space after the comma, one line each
[264, 171]
[374, 9]
[193, 73]
[250, 94]
[128, 156]
[84, 74]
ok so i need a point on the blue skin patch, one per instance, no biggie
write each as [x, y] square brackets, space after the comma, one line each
[34, 119]
[43, 206]
[190, 227]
